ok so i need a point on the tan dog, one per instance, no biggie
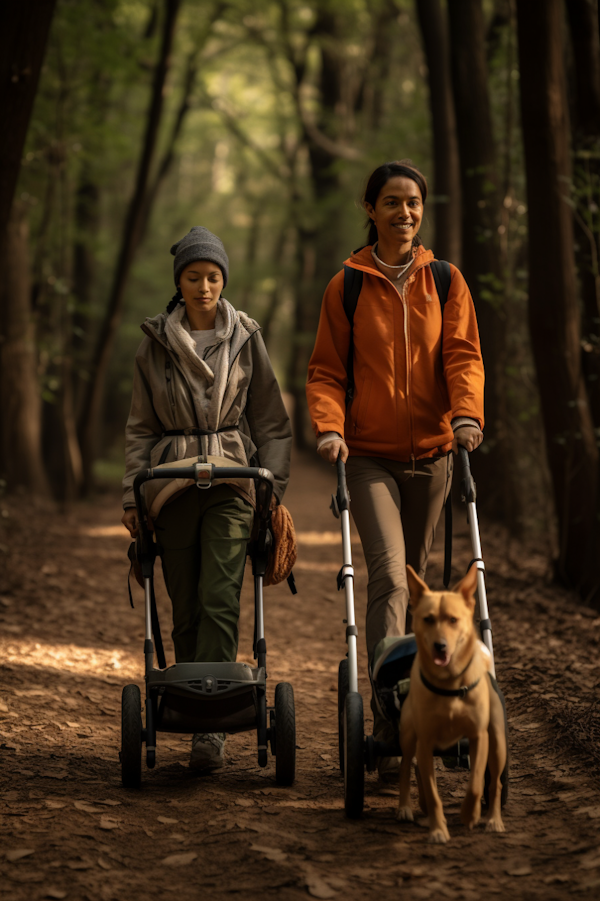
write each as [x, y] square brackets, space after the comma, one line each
[450, 657]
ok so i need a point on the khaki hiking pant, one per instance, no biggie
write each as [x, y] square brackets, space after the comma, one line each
[202, 537]
[396, 510]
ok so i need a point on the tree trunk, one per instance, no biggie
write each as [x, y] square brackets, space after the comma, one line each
[554, 319]
[446, 189]
[583, 22]
[130, 240]
[20, 411]
[24, 28]
[480, 250]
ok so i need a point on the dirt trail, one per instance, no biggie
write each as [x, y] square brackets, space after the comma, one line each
[69, 642]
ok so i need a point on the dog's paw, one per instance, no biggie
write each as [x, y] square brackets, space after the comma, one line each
[438, 836]
[405, 815]
[494, 824]
[470, 812]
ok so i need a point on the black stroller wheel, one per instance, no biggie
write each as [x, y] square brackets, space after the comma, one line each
[285, 731]
[354, 754]
[343, 689]
[131, 737]
[504, 777]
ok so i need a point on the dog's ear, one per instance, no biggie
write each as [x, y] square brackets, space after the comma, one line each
[416, 586]
[467, 586]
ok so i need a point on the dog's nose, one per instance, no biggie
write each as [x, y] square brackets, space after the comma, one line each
[440, 646]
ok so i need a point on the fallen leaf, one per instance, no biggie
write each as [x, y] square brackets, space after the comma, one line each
[11, 796]
[180, 860]
[85, 805]
[108, 823]
[104, 864]
[55, 893]
[18, 853]
[109, 803]
[524, 870]
[54, 805]
[168, 821]
[556, 878]
[317, 887]
[275, 854]
[244, 802]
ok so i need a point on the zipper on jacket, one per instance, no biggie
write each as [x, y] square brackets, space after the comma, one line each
[408, 378]
[168, 376]
[402, 296]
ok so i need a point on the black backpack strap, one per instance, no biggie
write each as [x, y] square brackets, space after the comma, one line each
[353, 279]
[442, 277]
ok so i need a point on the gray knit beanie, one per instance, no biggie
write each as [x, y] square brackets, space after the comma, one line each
[199, 244]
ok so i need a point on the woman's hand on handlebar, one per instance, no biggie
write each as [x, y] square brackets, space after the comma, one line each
[129, 520]
[469, 437]
[332, 449]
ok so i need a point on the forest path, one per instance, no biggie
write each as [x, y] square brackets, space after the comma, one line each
[69, 642]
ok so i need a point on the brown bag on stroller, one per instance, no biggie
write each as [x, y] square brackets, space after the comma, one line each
[284, 550]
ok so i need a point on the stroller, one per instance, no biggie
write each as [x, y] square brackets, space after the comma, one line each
[389, 670]
[206, 697]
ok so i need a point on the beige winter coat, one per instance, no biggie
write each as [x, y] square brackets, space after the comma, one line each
[173, 390]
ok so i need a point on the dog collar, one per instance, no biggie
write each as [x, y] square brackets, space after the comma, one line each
[449, 692]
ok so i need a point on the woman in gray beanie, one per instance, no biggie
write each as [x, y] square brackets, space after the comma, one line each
[203, 387]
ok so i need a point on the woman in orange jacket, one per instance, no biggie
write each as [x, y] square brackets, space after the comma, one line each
[418, 392]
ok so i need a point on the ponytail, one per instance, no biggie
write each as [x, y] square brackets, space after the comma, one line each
[176, 299]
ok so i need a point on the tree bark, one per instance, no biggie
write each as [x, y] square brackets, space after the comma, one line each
[447, 199]
[480, 249]
[24, 29]
[20, 411]
[554, 318]
[130, 240]
[583, 22]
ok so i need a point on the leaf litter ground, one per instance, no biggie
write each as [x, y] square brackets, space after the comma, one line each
[69, 642]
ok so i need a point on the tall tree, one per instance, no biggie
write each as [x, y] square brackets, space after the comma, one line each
[554, 318]
[583, 22]
[446, 189]
[480, 204]
[23, 464]
[24, 29]
[132, 231]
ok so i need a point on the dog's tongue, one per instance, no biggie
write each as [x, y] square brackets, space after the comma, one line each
[441, 658]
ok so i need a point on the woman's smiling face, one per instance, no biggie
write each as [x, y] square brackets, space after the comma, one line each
[201, 284]
[398, 211]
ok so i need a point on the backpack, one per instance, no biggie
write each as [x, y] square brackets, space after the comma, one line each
[353, 279]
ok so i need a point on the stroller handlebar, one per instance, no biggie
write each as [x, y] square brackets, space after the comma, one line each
[343, 498]
[203, 474]
[467, 486]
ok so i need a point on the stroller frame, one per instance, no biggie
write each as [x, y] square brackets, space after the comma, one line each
[206, 697]
[356, 750]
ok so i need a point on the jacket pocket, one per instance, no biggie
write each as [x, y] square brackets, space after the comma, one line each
[169, 379]
[362, 407]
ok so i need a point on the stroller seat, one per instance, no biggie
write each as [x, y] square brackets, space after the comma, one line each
[390, 673]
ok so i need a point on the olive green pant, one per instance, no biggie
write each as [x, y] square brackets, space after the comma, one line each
[202, 537]
[396, 509]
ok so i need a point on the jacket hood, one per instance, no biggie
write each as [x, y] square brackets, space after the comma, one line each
[363, 259]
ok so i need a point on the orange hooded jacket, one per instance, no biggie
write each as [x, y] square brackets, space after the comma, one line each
[408, 388]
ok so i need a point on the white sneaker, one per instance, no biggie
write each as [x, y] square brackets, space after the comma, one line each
[208, 750]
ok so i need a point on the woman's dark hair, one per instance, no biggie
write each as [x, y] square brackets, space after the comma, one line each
[377, 181]
[176, 299]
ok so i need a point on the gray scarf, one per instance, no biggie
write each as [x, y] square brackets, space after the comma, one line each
[208, 385]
